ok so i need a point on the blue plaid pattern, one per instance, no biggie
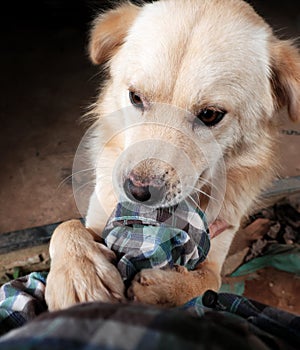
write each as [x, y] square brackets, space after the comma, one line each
[143, 237]
[213, 321]
[21, 300]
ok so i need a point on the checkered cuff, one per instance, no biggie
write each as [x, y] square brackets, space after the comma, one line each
[143, 237]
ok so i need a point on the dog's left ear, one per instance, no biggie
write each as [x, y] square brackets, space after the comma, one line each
[109, 31]
[285, 65]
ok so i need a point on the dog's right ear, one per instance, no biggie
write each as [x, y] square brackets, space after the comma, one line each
[109, 31]
[285, 59]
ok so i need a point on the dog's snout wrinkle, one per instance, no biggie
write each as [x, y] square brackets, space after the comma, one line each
[146, 180]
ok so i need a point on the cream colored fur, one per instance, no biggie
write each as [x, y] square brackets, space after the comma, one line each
[190, 54]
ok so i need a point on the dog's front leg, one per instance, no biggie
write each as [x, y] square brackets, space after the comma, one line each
[82, 267]
[177, 286]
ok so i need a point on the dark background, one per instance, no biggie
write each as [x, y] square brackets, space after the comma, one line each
[46, 84]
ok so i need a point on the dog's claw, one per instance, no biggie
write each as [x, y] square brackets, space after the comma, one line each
[84, 271]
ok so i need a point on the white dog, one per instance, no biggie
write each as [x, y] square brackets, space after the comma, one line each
[191, 71]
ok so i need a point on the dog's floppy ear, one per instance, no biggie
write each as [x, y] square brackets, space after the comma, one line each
[285, 64]
[109, 30]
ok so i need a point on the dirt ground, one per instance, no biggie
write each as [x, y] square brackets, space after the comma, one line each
[277, 288]
[47, 83]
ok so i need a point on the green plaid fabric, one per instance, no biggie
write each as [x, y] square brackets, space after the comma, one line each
[21, 300]
[214, 321]
[143, 237]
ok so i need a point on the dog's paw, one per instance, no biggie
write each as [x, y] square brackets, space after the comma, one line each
[82, 270]
[158, 287]
[172, 287]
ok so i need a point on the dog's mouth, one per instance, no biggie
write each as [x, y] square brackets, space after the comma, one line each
[155, 194]
[165, 189]
[157, 184]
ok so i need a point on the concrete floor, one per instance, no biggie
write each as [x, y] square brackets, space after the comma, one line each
[47, 83]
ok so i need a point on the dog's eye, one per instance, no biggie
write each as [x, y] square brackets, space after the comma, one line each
[210, 116]
[136, 99]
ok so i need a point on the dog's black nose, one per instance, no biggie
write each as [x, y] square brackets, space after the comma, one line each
[138, 193]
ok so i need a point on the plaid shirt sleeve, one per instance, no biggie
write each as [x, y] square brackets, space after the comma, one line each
[216, 320]
[21, 300]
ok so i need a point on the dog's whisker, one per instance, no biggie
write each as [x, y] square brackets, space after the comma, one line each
[66, 179]
[193, 200]
[82, 171]
[82, 186]
[203, 192]
[210, 183]
[207, 181]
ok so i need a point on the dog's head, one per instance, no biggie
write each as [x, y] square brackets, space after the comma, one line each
[196, 82]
